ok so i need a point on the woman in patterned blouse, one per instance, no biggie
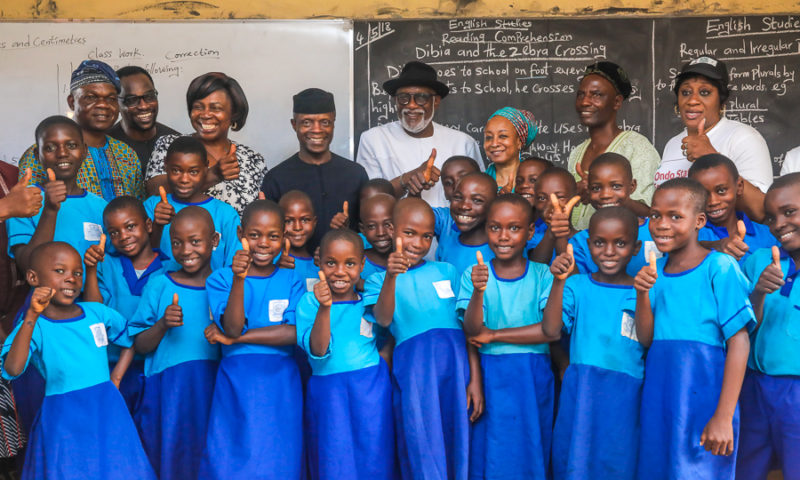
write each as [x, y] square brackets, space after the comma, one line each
[216, 105]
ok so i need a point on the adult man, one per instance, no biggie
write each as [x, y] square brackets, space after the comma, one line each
[398, 151]
[111, 168]
[330, 180]
[138, 109]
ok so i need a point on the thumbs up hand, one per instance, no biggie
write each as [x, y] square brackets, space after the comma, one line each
[560, 218]
[95, 253]
[423, 177]
[647, 276]
[322, 291]
[22, 201]
[397, 262]
[771, 279]
[173, 315]
[286, 260]
[341, 219]
[696, 144]
[480, 273]
[164, 211]
[241, 260]
[734, 245]
[229, 165]
[583, 183]
[563, 264]
[55, 192]
[40, 298]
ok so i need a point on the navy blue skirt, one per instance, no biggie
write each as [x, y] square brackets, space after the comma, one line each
[430, 405]
[256, 423]
[86, 433]
[173, 416]
[597, 428]
[28, 391]
[349, 425]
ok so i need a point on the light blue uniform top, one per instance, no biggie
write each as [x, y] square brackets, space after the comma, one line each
[71, 353]
[306, 272]
[352, 345]
[450, 249]
[180, 344]
[599, 317]
[756, 235]
[121, 287]
[425, 299]
[708, 303]
[370, 267]
[79, 223]
[775, 345]
[268, 301]
[509, 303]
[585, 264]
[226, 221]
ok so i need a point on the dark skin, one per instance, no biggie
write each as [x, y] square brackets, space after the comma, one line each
[525, 183]
[610, 184]
[674, 222]
[314, 133]
[300, 223]
[96, 109]
[469, 206]
[560, 228]
[186, 175]
[61, 151]
[376, 226]
[414, 224]
[723, 193]
[139, 120]
[193, 241]
[452, 172]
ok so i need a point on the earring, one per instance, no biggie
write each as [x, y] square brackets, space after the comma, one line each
[722, 111]
[235, 126]
[677, 113]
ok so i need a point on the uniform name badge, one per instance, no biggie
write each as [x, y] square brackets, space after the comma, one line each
[366, 328]
[92, 232]
[444, 289]
[276, 309]
[628, 327]
[99, 334]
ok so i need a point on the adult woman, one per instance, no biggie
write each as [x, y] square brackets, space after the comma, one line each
[216, 105]
[508, 131]
[602, 90]
[701, 90]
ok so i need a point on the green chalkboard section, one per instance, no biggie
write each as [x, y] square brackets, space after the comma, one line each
[536, 64]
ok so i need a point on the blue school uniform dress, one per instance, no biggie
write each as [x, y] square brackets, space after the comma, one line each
[450, 249]
[370, 267]
[583, 258]
[348, 413]
[83, 429]
[770, 398]
[756, 235]
[431, 370]
[226, 221]
[179, 379]
[512, 439]
[597, 429]
[539, 228]
[256, 423]
[695, 312]
[306, 272]
[121, 286]
[79, 223]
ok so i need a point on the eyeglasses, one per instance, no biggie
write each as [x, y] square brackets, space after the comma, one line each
[133, 100]
[420, 99]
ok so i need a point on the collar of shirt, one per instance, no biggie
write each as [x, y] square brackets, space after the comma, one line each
[786, 289]
[722, 232]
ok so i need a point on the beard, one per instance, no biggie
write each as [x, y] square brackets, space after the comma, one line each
[419, 126]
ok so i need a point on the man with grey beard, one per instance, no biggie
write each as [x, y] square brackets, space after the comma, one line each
[399, 151]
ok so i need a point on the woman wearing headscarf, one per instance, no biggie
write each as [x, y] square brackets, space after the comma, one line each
[508, 132]
[601, 93]
[701, 90]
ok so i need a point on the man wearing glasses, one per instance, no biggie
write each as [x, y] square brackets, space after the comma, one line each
[138, 109]
[111, 168]
[398, 151]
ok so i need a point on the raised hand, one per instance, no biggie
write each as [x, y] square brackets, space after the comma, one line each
[507, 188]
[286, 260]
[480, 273]
[40, 299]
[771, 279]
[322, 291]
[163, 212]
[583, 184]
[563, 264]
[429, 167]
[55, 191]
[229, 165]
[341, 219]
[559, 221]
[397, 262]
[173, 315]
[95, 253]
[423, 177]
[734, 245]
[241, 260]
[261, 196]
[695, 145]
[22, 201]
[647, 276]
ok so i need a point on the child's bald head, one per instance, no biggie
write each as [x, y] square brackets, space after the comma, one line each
[294, 197]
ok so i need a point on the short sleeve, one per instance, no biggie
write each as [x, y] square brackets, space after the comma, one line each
[147, 312]
[19, 231]
[750, 153]
[442, 217]
[465, 290]
[545, 285]
[155, 166]
[569, 306]
[116, 326]
[230, 234]
[644, 160]
[580, 252]
[218, 288]
[298, 290]
[36, 342]
[307, 309]
[372, 288]
[730, 288]
[150, 206]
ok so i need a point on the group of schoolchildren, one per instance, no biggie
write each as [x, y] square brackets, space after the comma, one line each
[242, 353]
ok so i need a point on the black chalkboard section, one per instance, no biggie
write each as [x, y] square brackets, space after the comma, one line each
[536, 64]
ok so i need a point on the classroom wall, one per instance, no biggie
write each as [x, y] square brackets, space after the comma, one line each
[243, 9]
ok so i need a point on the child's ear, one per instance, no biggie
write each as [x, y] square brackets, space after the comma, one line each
[361, 228]
[215, 240]
[633, 185]
[531, 230]
[701, 220]
[739, 187]
[32, 278]
[148, 226]
[239, 232]
[637, 247]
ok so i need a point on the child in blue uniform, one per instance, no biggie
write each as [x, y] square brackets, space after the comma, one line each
[558, 183]
[416, 300]
[453, 169]
[69, 213]
[376, 227]
[186, 166]
[349, 398]
[718, 174]
[118, 278]
[694, 315]
[611, 183]
[525, 184]
[180, 365]
[300, 221]
[770, 399]
[498, 299]
[373, 187]
[83, 429]
[256, 424]
[463, 233]
[607, 361]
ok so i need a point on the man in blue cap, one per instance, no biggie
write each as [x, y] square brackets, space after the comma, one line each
[398, 151]
[111, 168]
[330, 180]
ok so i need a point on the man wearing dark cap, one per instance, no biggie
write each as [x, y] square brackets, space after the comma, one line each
[138, 109]
[398, 151]
[111, 167]
[330, 180]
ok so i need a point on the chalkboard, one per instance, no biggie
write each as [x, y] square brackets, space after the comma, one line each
[272, 60]
[536, 64]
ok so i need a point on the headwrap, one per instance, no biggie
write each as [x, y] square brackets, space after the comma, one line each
[614, 74]
[313, 100]
[93, 71]
[523, 123]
